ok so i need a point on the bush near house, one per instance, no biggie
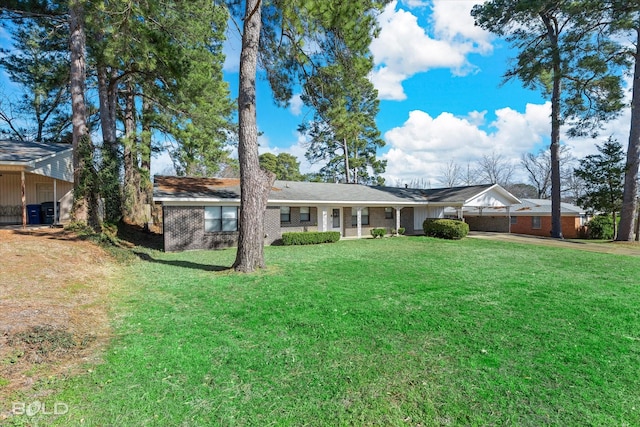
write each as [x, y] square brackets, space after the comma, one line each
[378, 232]
[310, 237]
[600, 227]
[445, 228]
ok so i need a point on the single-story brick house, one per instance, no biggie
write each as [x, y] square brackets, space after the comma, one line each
[202, 213]
[530, 216]
[33, 174]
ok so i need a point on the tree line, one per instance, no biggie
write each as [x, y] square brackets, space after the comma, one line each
[155, 68]
[572, 52]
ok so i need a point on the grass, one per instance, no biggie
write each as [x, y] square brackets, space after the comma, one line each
[403, 331]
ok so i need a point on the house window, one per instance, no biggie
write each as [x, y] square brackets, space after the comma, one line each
[388, 213]
[305, 216]
[514, 220]
[535, 222]
[364, 216]
[285, 214]
[220, 218]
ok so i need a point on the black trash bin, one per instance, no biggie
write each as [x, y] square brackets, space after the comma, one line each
[33, 213]
[46, 210]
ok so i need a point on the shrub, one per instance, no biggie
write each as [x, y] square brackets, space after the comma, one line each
[378, 232]
[400, 231]
[445, 228]
[310, 237]
[600, 227]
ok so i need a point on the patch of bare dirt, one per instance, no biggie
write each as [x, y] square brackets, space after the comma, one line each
[54, 300]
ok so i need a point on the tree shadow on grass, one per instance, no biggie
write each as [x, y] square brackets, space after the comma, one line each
[183, 264]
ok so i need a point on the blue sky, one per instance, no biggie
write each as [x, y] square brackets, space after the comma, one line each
[441, 99]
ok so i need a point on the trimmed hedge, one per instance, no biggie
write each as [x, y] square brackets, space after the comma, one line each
[445, 228]
[310, 237]
[378, 232]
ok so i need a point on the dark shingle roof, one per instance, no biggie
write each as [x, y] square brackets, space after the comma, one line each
[438, 195]
[14, 151]
[190, 187]
[175, 188]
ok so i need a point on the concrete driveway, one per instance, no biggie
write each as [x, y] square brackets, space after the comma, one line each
[616, 248]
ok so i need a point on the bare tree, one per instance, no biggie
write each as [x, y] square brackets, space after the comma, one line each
[468, 175]
[495, 169]
[451, 174]
[538, 167]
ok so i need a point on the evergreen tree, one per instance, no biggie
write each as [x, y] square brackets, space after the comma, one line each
[286, 166]
[289, 36]
[39, 62]
[344, 134]
[603, 175]
[560, 54]
[623, 19]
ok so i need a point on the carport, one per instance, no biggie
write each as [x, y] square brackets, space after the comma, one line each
[32, 174]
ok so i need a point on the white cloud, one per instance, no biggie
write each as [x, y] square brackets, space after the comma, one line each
[453, 22]
[423, 145]
[404, 48]
[296, 104]
[421, 148]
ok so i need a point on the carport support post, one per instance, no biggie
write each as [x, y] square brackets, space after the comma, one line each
[359, 216]
[397, 220]
[24, 200]
[55, 201]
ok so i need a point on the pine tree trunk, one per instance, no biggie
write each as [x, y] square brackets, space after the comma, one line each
[146, 188]
[130, 159]
[110, 171]
[346, 161]
[630, 196]
[255, 182]
[556, 218]
[85, 205]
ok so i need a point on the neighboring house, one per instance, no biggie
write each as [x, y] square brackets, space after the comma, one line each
[531, 216]
[32, 174]
[202, 213]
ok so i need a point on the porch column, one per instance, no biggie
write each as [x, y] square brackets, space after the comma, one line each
[55, 201]
[397, 220]
[509, 217]
[359, 216]
[24, 200]
[460, 213]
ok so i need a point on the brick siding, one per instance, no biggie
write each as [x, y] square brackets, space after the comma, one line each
[406, 220]
[295, 225]
[570, 226]
[499, 224]
[376, 220]
[184, 230]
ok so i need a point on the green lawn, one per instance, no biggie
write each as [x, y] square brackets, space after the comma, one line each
[400, 331]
